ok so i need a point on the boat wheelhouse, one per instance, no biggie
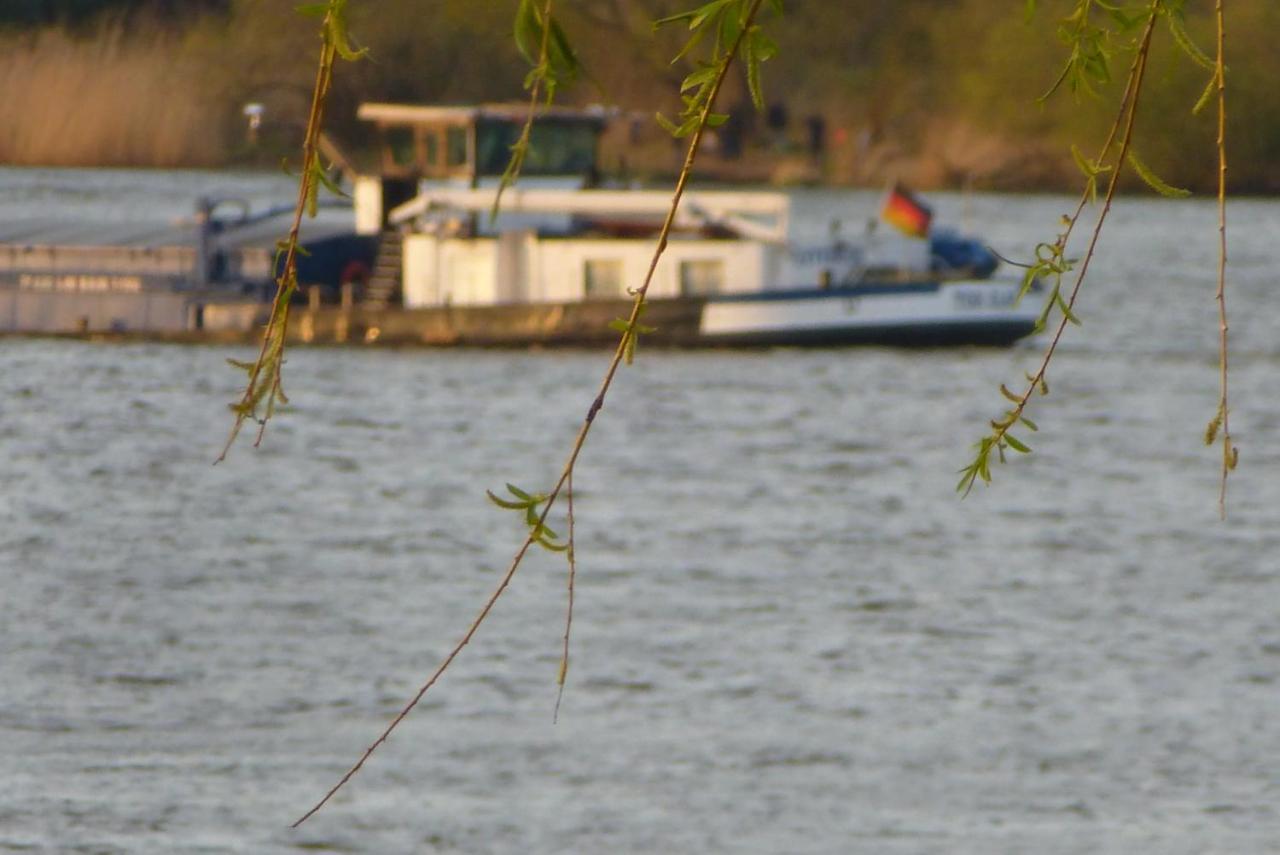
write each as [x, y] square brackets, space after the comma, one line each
[470, 146]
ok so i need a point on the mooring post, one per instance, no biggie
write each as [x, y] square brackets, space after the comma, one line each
[343, 327]
[204, 241]
[308, 326]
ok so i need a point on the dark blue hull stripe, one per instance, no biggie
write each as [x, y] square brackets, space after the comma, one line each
[835, 293]
[993, 332]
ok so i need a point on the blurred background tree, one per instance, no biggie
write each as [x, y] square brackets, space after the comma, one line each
[75, 13]
[938, 92]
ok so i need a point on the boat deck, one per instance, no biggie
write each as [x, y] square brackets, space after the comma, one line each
[261, 234]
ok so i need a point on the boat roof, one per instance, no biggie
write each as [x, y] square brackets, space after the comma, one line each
[416, 114]
[756, 215]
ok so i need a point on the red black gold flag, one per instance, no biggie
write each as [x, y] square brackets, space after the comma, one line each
[907, 213]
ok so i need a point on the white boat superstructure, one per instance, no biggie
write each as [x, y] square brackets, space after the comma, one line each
[728, 255]
[570, 245]
[745, 233]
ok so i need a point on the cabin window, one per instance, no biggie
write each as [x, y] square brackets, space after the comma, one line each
[562, 148]
[432, 146]
[455, 144]
[602, 278]
[493, 146]
[555, 147]
[701, 277]
[400, 144]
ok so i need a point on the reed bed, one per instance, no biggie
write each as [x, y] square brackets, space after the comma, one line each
[113, 100]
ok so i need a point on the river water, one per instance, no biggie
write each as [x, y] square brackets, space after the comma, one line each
[790, 635]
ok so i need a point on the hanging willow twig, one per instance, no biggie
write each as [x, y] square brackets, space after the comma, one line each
[1053, 262]
[1221, 423]
[748, 41]
[553, 65]
[264, 389]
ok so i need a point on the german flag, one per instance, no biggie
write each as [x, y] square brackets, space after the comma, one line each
[905, 212]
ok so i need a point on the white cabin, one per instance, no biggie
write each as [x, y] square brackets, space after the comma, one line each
[596, 244]
[558, 240]
[519, 267]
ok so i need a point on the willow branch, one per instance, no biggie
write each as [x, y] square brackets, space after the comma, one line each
[271, 354]
[1121, 129]
[1229, 453]
[580, 439]
[521, 146]
[571, 555]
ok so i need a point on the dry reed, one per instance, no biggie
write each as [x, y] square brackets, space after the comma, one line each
[113, 100]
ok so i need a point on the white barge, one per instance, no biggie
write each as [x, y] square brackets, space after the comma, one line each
[428, 262]
[730, 262]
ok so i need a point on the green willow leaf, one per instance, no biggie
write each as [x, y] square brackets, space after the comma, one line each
[673, 19]
[1016, 444]
[528, 31]
[550, 545]
[561, 54]
[518, 493]
[503, 503]
[759, 49]
[709, 11]
[1211, 432]
[1177, 29]
[1206, 96]
[313, 195]
[336, 31]
[1065, 308]
[729, 30]
[1155, 182]
[322, 176]
[701, 77]
[529, 505]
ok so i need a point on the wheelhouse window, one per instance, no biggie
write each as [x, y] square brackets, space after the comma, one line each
[455, 143]
[401, 146]
[432, 147]
[602, 278]
[701, 277]
[555, 147]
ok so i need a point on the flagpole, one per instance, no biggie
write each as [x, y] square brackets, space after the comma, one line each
[891, 181]
[887, 193]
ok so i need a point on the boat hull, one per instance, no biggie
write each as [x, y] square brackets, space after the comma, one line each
[986, 333]
[923, 314]
[910, 315]
[927, 318]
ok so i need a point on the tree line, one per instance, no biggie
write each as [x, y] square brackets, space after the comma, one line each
[943, 92]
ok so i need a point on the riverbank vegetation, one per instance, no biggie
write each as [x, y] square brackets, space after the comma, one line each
[942, 93]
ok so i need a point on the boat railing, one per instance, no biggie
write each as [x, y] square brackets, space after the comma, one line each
[206, 208]
[155, 261]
